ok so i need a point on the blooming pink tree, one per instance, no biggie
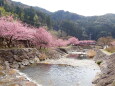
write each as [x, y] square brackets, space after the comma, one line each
[73, 40]
[61, 42]
[42, 38]
[13, 30]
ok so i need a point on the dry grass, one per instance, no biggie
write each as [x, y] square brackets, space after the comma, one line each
[22, 78]
[113, 84]
[2, 82]
[1, 67]
[111, 49]
[91, 53]
[42, 56]
[29, 84]
[12, 71]
[13, 85]
[2, 73]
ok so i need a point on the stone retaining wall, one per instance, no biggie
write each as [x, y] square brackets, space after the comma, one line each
[107, 76]
[18, 58]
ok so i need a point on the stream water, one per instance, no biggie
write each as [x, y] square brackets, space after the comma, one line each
[63, 72]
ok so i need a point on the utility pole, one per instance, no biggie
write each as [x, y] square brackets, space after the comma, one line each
[90, 36]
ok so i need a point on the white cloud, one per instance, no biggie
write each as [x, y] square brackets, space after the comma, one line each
[83, 7]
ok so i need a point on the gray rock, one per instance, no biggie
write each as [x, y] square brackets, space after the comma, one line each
[31, 61]
[25, 62]
[16, 66]
[17, 58]
[21, 66]
[7, 64]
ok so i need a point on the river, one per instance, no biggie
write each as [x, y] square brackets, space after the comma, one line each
[63, 72]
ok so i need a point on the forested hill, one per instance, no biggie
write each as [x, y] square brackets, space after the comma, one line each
[92, 27]
[64, 22]
[25, 13]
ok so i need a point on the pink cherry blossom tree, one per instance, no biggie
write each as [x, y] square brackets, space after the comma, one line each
[13, 30]
[42, 38]
[73, 40]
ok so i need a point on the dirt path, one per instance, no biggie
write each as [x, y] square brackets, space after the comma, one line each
[104, 51]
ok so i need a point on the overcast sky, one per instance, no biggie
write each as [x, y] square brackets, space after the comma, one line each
[82, 7]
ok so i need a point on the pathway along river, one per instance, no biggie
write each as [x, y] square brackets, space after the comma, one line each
[63, 72]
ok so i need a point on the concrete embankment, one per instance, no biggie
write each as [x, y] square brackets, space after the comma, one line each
[107, 66]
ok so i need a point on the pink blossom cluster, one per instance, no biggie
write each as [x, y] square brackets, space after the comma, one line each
[16, 30]
[73, 41]
[83, 42]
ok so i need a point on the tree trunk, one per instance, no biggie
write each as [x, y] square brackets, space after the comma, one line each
[9, 42]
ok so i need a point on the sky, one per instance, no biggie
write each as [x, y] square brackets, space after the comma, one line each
[82, 7]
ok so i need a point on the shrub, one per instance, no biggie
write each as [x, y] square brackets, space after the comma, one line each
[91, 53]
[42, 56]
[113, 83]
[99, 62]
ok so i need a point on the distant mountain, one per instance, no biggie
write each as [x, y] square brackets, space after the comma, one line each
[65, 15]
[42, 10]
[91, 27]
[19, 4]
